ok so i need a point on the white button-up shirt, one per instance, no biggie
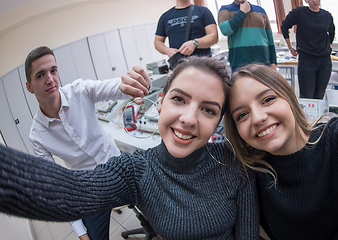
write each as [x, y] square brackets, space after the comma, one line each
[77, 137]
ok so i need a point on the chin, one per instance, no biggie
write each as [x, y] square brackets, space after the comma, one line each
[178, 153]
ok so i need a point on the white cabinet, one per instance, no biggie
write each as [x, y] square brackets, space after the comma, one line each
[150, 29]
[74, 61]
[107, 54]
[115, 53]
[33, 104]
[143, 45]
[16, 118]
[136, 46]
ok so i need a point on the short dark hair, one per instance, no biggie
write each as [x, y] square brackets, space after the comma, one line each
[207, 64]
[32, 56]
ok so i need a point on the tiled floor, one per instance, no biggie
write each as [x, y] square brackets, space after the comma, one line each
[63, 231]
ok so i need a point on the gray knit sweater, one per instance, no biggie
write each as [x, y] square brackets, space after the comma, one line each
[188, 198]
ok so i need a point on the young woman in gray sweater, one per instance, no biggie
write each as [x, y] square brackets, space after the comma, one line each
[185, 187]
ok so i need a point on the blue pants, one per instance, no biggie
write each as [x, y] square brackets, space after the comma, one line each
[313, 75]
[98, 225]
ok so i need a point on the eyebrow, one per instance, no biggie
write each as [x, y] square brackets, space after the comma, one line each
[190, 97]
[257, 97]
[39, 72]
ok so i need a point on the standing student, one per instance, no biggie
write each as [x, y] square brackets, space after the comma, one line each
[297, 162]
[186, 187]
[172, 24]
[315, 34]
[249, 33]
[66, 124]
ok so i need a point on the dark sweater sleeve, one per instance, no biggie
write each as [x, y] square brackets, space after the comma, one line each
[34, 188]
[229, 25]
[290, 20]
[332, 29]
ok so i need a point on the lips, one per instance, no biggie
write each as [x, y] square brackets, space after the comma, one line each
[267, 131]
[50, 89]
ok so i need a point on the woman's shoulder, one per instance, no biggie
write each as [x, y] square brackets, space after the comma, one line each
[333, 124]
[326, 126]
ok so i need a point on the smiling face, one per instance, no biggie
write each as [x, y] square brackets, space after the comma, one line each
[190, 111]
[44, 83]
[263, 119]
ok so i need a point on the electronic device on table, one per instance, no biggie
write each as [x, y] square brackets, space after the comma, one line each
[158, 81]
[159, 67]
[144, 118]
[129, 120]
[104, 109]
[148, 114]
[332, 100]
[313, 108]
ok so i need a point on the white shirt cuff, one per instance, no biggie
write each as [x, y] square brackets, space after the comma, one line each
[78, 227]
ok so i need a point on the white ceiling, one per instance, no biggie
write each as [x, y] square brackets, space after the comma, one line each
[10, 5]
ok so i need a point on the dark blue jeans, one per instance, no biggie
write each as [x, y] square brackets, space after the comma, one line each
[98, 225]
[313, 75]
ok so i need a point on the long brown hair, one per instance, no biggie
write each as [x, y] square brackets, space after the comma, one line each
[248, 155]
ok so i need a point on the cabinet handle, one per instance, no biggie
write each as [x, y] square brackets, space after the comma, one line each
[113, 68]
[141, 58]
[17, 121]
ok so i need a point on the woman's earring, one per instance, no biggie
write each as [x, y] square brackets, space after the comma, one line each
[229, 151]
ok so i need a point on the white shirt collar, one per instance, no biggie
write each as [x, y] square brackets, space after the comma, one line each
[46, 120]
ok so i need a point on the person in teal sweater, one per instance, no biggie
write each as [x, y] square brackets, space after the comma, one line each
[297, 161]
[249, 33]
[186, 187]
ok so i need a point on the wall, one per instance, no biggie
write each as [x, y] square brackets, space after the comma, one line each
[55, 23]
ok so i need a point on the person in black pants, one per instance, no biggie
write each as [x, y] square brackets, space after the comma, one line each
[315, 34]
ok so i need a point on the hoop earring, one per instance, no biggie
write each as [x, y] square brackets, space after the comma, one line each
[226, 154]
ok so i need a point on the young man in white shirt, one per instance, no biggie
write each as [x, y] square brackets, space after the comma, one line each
[66, 124]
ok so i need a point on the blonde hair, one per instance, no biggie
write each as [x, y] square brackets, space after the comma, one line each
[249, 156]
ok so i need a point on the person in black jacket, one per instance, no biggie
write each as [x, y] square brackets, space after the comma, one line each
[315, 34]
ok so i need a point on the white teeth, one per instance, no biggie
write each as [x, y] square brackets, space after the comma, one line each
[180, 135]
[267, 131]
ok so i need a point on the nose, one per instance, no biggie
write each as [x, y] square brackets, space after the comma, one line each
[259, 116]
[49, 78]
[189, 116]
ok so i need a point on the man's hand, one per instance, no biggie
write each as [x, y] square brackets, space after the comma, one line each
[171, 52]
[135, 83]
[84, 237]
[245, 7]
[187, 48]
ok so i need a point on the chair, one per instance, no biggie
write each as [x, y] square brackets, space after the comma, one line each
[146, 228]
